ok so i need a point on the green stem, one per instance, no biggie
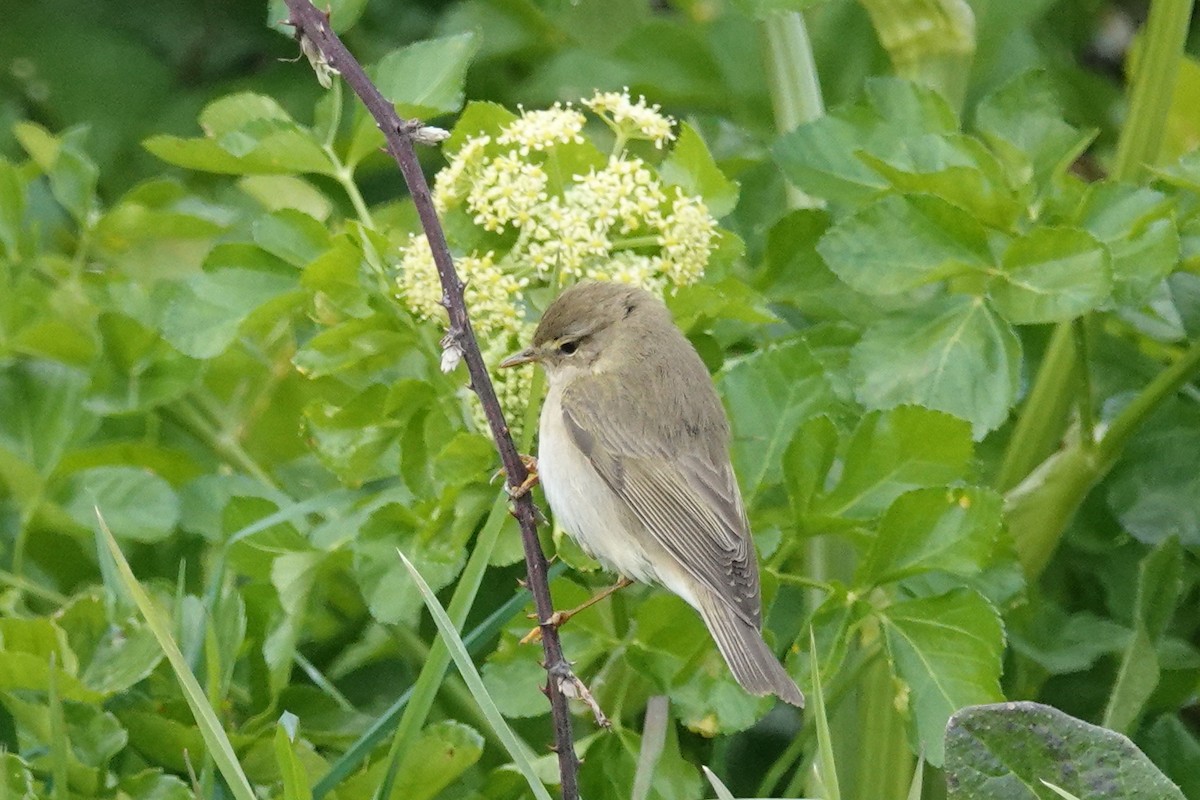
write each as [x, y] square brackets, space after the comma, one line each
[793, 82]
[1041, 502]
[1150, 101]
[344, 175]
[1164, 386]
[187, 413]
[1039, 429]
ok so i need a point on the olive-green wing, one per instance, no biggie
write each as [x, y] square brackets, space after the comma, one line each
[676, 481]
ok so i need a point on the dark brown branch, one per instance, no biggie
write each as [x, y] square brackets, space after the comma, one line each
[313, 25]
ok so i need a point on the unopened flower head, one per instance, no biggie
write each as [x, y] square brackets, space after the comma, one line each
[631, 120]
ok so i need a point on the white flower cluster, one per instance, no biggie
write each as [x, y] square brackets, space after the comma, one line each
[552, 224]
[632, 120]
[493, 294]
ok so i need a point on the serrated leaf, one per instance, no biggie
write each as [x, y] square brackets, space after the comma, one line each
[898, 243]
[820, 158]
[957, 169]
[894, 451]
[691, 167]
[203, 314]
[138, 505]
[953, 530]
[947, 650]
[1006, 751]
[1024, 124]
[1137, 225]
[1051, 275]
[769, 394]
[954, 355]
[808, 459]
[1155, 488]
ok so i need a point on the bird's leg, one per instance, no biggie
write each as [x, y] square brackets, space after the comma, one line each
[531, 478]
[559, 618]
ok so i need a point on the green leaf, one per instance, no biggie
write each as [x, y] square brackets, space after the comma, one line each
[12, 208]
[425, 79]
[894, 451]
[1051, 275]
[72, 173]
[1137, 225]
[691, 167]
[296, 785]
[957, 169]
[1023, 123]
[292, 236]
[437, 547]
[140, 370]
[823, 157]
[898, 243]
[45, 413]
[202, 315]
[808, 460]
[955, 356]
[139, 505]
[608, 770]
[947, 652]
[946, 529]
[245, 134]
[998, 752]
[769, 394]
[1155, 488]
[1160, 582]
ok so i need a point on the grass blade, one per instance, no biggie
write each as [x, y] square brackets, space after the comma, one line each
[470, 675]
[218, 744]
[826, 766]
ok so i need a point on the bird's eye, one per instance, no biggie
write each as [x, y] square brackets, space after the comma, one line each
[568, 347]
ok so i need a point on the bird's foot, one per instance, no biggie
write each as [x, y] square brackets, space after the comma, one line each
[531, 478]
[559, 618]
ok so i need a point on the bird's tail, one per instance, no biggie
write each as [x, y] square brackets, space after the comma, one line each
[741, 644]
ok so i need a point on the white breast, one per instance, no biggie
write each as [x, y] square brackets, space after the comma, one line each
[582, 503]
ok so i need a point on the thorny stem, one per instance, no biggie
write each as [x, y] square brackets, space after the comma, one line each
[314, 25]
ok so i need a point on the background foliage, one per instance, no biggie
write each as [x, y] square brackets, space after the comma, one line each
[956, 349]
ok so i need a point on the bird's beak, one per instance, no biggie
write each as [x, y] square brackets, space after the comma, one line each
[520, 357]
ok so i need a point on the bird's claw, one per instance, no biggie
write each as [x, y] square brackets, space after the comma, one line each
[531, 478]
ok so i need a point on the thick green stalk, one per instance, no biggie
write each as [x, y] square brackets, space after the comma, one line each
[1040, 508]
[1157, 68]
[1040, 427]
[1052, 489]
[930, 42]
[792, 80]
